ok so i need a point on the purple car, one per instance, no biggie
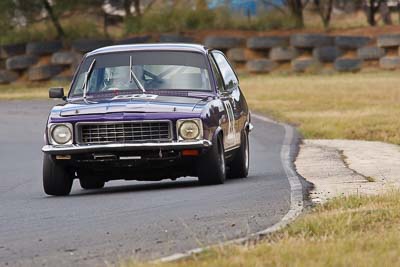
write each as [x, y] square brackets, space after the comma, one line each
[147, 112]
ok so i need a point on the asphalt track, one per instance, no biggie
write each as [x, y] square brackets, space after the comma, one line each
[126, 219]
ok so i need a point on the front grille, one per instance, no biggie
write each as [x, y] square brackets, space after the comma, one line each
[124, 132]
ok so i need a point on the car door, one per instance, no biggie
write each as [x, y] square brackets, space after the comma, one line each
[230, 96]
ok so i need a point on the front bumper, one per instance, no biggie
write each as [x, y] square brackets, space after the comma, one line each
[81, 149]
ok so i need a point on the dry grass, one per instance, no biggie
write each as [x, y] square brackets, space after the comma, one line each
[339, 21]
[348, 231]
[362, 106]
[28, 91]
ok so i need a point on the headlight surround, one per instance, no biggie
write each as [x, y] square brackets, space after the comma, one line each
[190, 129]
[60, 134]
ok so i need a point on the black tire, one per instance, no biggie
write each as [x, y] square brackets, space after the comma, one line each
[66, 58]
[86, 45]
[389, 62]
[283, 54]
[370, 53]
[56, 179]
[43, 48]
[310, 40]
[327, 53]
[7, 76]
[211, 168]
[11, 50]
[91, 183]
[21, 62]
[348, 64]
[224, 42]
[267, 42]
[174, 38]
[260, 65]
[44, 72]
[304, 64]
[237, 55]
[239, 167]
[388, 40]
[351, 42]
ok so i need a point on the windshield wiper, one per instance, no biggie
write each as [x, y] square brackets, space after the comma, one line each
[87, 77]
[133, 77]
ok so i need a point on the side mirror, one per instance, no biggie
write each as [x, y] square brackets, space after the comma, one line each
[232, 86]
[57, 92]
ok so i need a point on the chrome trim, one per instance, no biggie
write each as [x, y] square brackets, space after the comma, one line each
[50, 128]
[232, 148]
[76, 149]
[130, 158]
[79, 134]
[195, 120]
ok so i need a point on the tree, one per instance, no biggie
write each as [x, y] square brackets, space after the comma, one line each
[296, 10]
[32, 10]
[127, 8]
[136, 4]
[371, 8]
[385, 13]
[398, 10]
[54, 18]
[324, 8]
[7, 14]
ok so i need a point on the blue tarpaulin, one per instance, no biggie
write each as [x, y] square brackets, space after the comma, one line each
[243, 6]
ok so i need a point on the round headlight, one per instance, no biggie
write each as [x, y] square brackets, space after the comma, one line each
[189, 130]
[61, 134]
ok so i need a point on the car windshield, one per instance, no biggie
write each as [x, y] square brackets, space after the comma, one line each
[154, 70]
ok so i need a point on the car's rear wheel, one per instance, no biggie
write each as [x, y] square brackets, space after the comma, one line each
[239, 167]
[57, 181]
[211, 167]
[91, 183]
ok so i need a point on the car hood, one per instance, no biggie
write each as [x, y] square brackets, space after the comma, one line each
[139, 104]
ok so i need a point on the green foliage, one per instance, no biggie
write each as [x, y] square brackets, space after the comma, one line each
[74, 29]
[7, 8]
[82, 29]
[177, 19]
[27, 34]
[183, 19]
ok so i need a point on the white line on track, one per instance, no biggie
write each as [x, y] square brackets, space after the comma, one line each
[296, 197]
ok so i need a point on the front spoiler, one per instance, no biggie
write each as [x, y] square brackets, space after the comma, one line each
[81, 149]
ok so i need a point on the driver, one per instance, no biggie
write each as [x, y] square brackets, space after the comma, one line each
[117, 78]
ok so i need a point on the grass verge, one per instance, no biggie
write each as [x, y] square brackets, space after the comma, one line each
[346, 231]
[28, 91]
[362, 106]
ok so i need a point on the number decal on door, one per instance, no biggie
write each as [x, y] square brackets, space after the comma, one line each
[231, 122]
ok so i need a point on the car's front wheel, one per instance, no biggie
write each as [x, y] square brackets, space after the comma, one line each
[211, 167]
[57, 181]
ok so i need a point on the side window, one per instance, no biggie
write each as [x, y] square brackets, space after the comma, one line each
[217, 76]
[227, 73]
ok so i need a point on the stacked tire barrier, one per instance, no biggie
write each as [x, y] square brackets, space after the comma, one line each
[44, 61]
[310, 52]
[55, 60]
